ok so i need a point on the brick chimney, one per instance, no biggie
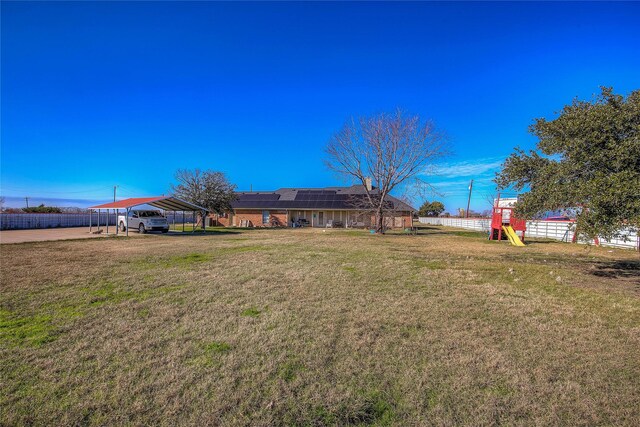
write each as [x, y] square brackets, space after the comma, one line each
[367, 183]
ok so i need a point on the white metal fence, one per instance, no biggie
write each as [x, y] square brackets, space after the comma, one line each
[556, 230]
[13, 221]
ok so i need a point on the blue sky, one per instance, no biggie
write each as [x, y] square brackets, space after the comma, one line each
[98, 94]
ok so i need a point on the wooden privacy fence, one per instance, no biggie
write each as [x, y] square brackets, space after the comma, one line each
[556, 230]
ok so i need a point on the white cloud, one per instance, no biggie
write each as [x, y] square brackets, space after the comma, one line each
[457, 185]
[463, 183]
[470, 168]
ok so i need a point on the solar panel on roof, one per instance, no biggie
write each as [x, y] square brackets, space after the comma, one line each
[259, 197]
[304, 199]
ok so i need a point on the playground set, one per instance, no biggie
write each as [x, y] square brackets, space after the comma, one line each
[505, 224]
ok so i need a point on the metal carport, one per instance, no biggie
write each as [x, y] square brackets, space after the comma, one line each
[166, 203]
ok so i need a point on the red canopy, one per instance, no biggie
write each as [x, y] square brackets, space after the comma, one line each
[168, 203]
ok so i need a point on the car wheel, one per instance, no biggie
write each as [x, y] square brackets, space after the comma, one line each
[122, 227]
[165, 231]
[141, 229]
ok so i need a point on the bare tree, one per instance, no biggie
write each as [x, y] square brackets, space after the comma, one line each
[490, 199]
[388, 149]
[366, 206]
[209, 189]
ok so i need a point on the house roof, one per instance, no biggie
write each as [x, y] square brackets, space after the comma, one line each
[167, 203]
[329, 198]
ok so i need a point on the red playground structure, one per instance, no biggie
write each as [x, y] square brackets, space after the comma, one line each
[504, 223]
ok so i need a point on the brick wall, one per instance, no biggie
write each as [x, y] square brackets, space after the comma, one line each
[398, 221]
[404, 221]
[276, 218]
[219, 220]
[279, 218]
[225, 221]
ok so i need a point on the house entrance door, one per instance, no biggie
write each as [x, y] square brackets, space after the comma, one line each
[321, 219]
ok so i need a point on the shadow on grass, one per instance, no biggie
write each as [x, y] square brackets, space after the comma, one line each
[542, 241]
[620, 269]
[208, 232]
[425, 231]
[428, 227]
[617, 269]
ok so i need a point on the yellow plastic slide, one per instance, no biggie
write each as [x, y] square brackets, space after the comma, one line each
[513, 237]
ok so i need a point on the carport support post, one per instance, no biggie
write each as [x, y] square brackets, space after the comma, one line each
[193, 222]
[98, 219]
[183, 221]
[126, 220]
[90, 223]
[108, 221]
[204, 226]
[117, 225]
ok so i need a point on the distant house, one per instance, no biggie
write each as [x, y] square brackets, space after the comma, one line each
[312, 207]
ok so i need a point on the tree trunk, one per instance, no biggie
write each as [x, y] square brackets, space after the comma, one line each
[380, 222]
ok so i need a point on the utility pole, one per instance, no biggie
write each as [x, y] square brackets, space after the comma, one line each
[469, 200]
[114, 193]
[26, 199]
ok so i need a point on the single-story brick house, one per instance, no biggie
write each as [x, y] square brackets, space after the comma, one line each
[315, 207]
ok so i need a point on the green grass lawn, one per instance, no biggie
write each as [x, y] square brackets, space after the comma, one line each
[313, 327]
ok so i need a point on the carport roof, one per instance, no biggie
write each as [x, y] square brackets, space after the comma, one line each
[168, 203]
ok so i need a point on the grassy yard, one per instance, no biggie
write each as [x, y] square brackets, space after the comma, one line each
[305, 327]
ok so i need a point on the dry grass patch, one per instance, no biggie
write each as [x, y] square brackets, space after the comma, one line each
[306, 327]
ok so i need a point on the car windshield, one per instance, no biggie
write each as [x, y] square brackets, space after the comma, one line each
[149, 214]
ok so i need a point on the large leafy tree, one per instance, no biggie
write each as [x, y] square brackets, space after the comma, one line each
[42, 209]
[586, 158]
[428, 208]
[209, 189]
